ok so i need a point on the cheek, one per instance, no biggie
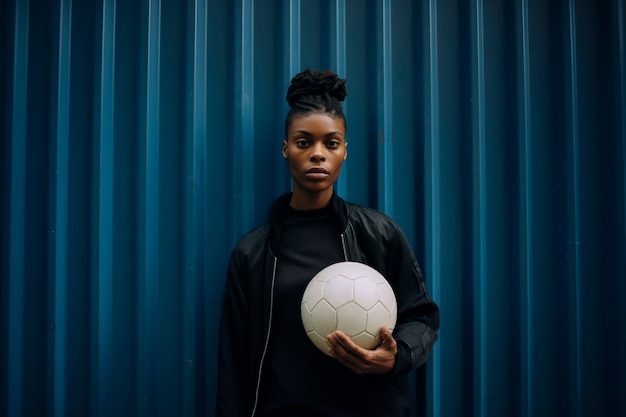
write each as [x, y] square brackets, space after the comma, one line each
[293, 163]
[338, 164]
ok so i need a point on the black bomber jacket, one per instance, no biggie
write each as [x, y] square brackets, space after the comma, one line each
[368, 236]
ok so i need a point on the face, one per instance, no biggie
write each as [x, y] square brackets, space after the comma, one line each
[315, 149]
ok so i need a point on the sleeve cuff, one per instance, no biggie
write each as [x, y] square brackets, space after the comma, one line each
[403, 363]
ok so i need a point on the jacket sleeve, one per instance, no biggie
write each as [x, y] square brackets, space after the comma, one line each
[418, 315]
[232, 384]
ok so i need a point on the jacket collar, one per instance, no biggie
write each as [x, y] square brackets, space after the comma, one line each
[278, 213]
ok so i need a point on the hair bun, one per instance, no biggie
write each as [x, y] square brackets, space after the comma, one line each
[308, 83]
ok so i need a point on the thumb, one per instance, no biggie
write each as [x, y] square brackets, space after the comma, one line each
[388, 340]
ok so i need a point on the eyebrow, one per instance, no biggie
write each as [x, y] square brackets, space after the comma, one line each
[327, 135]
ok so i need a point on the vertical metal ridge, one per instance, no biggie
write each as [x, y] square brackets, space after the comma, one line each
[152, 212]
[290, 65]
[433, 188]
[244, 117]
[528, 365]
[294, 37]
[106, 199]
[622, 66]
[339, 31]
[338, 61]
[62, 207]
[385, 154]
[481, 228]
[17, 212]
[195, 288]
[574, 245]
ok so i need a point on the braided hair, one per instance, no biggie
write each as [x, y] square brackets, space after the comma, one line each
[316, 92]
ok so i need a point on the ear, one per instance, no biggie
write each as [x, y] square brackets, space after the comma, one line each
[285, 152]
[345, 155]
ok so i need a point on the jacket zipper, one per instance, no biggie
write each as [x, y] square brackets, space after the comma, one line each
[343, 246]
[267, 339]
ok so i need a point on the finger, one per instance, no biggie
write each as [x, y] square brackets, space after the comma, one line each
[356, 358]
[388, 340]
[342, 348]
[340, 342]
[347, 358]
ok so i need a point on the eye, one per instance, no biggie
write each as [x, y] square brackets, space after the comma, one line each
[302, 143]
[333, 144]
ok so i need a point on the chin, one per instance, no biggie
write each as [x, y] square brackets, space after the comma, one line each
[315, 189]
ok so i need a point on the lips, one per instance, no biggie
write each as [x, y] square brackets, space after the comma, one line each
[316, 170]
[316, 173]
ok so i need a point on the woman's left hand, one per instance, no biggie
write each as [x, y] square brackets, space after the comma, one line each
[363, 361]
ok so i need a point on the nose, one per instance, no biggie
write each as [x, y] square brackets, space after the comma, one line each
[317, 153]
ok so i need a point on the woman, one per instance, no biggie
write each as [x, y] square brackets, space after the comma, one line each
[267, 365]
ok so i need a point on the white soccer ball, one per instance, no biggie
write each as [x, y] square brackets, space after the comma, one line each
[351, 297]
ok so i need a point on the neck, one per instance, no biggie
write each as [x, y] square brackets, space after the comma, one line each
[310, 201]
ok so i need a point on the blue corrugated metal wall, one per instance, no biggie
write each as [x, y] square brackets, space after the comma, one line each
[140, 139]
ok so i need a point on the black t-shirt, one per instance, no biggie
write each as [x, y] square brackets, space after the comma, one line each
[298, 379]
